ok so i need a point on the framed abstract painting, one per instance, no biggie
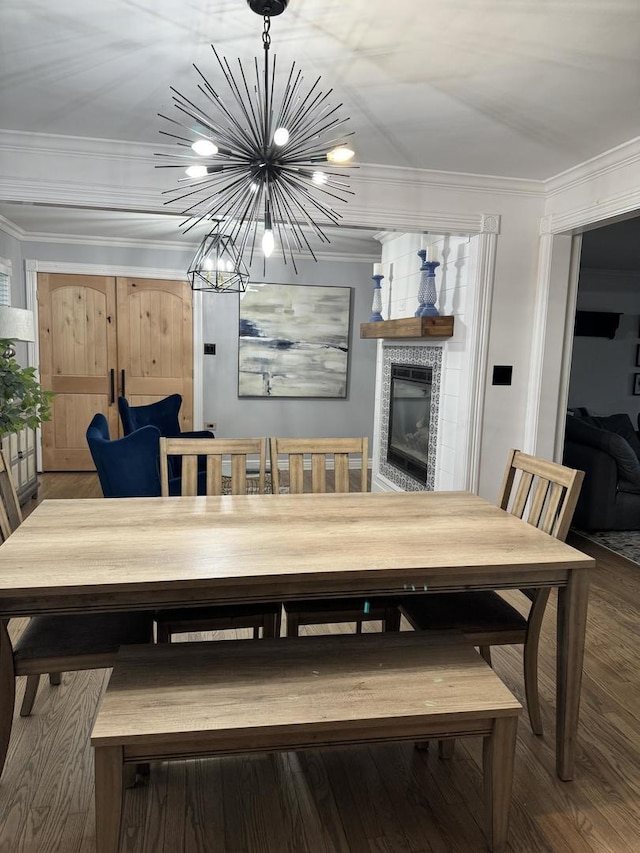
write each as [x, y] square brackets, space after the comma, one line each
[294, 340]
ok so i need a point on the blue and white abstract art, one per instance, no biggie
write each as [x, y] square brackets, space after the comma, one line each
[294, 341]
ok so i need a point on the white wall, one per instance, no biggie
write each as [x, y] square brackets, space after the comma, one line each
[401, 265]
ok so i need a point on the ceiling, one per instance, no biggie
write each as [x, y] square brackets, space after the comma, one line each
[515, 88]
[523, 88]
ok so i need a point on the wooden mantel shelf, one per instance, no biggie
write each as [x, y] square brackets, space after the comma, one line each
[409, 327]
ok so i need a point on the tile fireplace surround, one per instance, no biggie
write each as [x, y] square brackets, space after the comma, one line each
[415, 355]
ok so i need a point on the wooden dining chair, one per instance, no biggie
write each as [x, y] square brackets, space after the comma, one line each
[545, 495]
[67, 643]
[319, 465]
[227, 471]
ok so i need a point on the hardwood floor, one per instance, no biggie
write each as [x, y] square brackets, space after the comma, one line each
[378, 799]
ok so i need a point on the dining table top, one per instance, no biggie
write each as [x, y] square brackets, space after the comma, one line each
[116, 551]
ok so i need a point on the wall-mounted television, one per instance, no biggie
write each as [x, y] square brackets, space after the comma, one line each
[596, 324]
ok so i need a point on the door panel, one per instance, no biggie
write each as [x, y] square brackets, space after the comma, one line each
[155, 342]
[77, 332]
[72, 414]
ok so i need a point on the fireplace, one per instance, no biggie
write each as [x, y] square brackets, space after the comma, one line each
[409, 419]
[409, 414]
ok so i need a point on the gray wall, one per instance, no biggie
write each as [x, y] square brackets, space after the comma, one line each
[247, 417]
[290, 417]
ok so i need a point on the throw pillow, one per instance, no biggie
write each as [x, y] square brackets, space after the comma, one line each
[621, 424]
[610, 442]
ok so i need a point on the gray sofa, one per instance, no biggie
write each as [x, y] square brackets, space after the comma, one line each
[607, 449]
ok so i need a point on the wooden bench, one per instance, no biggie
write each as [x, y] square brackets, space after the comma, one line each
[192, 700]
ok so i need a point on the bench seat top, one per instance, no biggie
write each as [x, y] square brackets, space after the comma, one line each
[271, 693]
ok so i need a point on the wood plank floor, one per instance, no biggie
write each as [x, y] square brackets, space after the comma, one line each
[382, 799]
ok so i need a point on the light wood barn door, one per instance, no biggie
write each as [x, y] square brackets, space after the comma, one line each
[155, 342]
[77, 329]
[102, 336]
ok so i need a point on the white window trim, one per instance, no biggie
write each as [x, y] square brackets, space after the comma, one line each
[6, 268]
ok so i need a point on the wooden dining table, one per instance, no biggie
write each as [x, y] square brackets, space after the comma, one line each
[82, 556]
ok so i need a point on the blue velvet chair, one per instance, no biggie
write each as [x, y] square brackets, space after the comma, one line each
[127, 467]
[162, 414]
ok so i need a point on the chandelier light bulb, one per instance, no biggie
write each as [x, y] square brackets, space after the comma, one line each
[268, 243]
[340, 154]
[204, 147]
[281, 136]
[196, 171]
[319, 178]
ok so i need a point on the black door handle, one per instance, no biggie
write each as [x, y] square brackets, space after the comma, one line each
[123, 391]
[112, 387]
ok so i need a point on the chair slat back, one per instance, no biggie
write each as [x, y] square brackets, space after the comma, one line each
[321, 453]
[542, 493]
[10, 512]
[218, 452]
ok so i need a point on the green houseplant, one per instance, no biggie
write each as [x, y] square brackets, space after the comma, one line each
[22, 400]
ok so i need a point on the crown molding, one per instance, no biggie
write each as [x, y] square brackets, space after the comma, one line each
[32, 265]
[112, 242]
[620, 157]
[50, 144]
[436, 221]
[597, 211]
[65, 193]
[163, 245]
[81, 148]
[403, 176]
[10, 228]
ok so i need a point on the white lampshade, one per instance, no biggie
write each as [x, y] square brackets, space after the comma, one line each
[16, 324]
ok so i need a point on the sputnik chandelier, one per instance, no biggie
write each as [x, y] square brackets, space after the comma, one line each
[264, 166]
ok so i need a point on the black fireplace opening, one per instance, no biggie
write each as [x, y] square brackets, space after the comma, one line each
[409, 419]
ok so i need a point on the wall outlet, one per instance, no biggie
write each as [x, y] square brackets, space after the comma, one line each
[212, 425]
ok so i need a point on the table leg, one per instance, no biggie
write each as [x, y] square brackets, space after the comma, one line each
[572, 623]
[7, 691]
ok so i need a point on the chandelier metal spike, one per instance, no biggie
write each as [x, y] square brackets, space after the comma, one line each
[267, 166]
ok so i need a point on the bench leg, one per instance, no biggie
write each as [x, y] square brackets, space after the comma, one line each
[446, 748]
[498, 753]
[109, 794]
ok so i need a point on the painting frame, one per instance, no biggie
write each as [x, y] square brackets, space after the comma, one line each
[294, 341]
